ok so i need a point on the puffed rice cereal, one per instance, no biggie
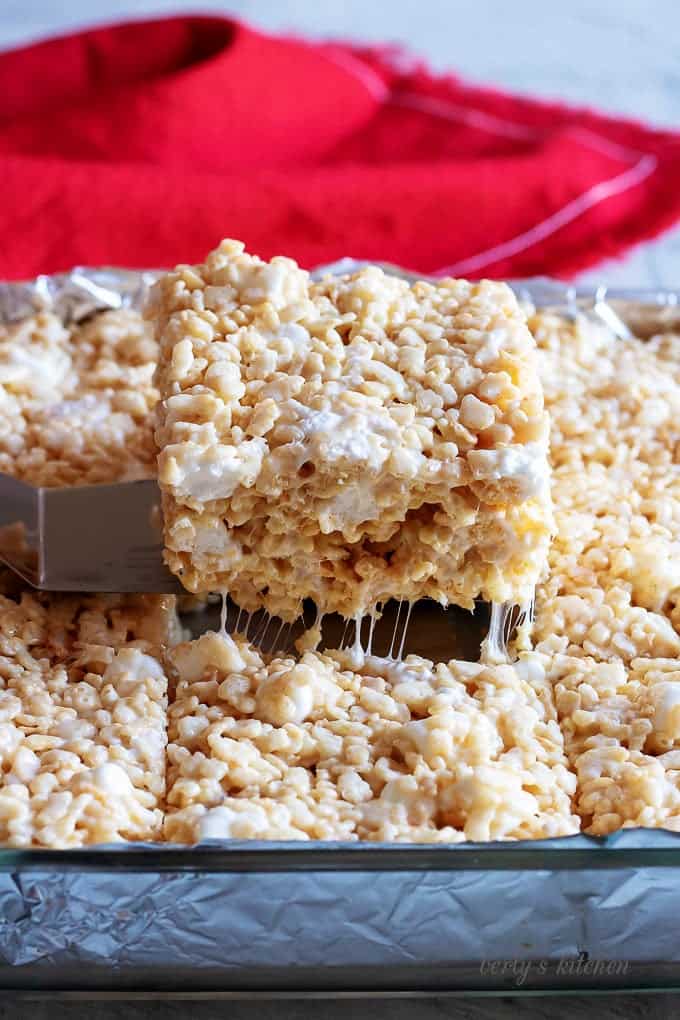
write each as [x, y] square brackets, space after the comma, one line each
[76, 402]
[608, 610]
[621, 726]
[612, 589]
[83, 698]
[336, 746]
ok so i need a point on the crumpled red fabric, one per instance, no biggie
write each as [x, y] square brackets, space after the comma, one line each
[143, 144]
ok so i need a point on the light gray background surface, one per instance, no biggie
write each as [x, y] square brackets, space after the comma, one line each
[621, 56]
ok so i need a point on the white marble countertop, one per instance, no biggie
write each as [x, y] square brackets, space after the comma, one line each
[619, 56]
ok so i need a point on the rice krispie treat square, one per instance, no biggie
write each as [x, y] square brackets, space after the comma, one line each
[621, 727]
[76, 402]
[612, 589]
[608, 610]
[336, 746]
[347, 440]
[83, 699]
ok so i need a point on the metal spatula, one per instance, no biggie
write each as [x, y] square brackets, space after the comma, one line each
[91, 538]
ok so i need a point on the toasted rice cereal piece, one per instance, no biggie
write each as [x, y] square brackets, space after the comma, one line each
[348, 440]
[83, 699]
[621, 727]
[76, 403]
[612, 589]
[347, 746]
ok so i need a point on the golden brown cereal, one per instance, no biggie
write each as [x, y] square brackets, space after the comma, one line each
[621, 726]
[347, 440]
[340, 746]
[75, 403]
[612, 589]
[83, 699]
[611, 596]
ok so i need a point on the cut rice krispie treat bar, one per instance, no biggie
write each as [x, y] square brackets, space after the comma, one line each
[340, 746]
[611, 596]
[612, 589]
[621, 727]
[75, 403]
[348, 440]
[83, 701]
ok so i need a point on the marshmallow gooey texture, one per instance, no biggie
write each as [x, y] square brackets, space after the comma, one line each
[350, 440]
[83, 699]
[608, 608]
[76, 402]
[330, 746]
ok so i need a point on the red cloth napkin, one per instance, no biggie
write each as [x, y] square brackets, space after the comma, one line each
[144, 144]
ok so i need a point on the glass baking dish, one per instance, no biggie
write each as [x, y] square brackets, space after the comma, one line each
[252, 919]
[249, 917]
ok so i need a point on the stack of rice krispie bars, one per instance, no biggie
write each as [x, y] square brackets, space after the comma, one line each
[349, 440]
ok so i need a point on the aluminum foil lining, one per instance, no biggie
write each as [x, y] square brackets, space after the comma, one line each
[75, 295]
[336, 919]
[160, 919]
